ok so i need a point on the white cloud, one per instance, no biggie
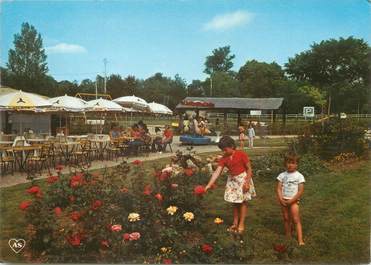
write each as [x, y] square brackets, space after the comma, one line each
[65, 48]
[229, 20]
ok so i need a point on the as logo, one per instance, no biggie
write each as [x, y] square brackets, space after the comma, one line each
[17, 244]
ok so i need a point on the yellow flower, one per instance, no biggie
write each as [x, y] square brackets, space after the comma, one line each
[218, 221]
[188, 216]
[133, 217]
[171, 210]
[166, 249]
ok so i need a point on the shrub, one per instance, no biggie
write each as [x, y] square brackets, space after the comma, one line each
[333, 137]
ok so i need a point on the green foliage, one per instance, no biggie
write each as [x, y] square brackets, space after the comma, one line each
[333, 137]
[219, 61]
[223, 85]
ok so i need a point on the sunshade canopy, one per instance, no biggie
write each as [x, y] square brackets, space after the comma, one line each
[159, 108]
[68, 103]
[22, 100]
[103, 105]
[131, 101]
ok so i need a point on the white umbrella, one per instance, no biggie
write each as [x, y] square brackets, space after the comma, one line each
[23, 100]
[104, 105]
[68, 103]
[159, 108]
[132, 101]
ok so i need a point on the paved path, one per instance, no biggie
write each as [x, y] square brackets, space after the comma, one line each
[19, 178]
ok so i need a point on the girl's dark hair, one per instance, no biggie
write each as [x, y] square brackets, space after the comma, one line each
[134, 126]
[226, 141]
[157, 129]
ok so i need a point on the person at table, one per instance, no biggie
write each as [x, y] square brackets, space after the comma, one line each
[157, 141]
[114, 133]
[137, 139]
[167, 136]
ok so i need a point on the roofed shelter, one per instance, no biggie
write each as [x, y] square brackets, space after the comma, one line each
[230, 105]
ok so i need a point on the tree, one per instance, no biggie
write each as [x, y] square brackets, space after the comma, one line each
[87, 86]
[27, 61]
[224, 85]
[258, 79]
[336, 67]
[196, 89]
[219, 61]
[115, 86]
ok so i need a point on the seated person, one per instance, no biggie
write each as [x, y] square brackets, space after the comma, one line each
[167, 136]
[137, 139]
[157, 140]
[114, 133]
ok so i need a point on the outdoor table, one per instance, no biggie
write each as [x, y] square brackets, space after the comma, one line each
[101, 145]
[37, 141]
[66, 149]
[21, 153]
[77, 137]
[6, 143]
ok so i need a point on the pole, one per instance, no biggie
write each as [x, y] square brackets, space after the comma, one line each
[211, 85]
[96, 88]
[105, 75]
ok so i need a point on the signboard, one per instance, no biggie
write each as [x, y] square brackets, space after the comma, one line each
[308, 112]
[256, 112]
[95, 122]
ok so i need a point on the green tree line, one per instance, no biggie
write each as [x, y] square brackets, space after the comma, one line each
[333, 76]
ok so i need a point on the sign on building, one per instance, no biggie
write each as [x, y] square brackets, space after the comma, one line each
[308, 112]
[255, 112]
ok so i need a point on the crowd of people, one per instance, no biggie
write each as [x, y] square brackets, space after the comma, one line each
[138, 135]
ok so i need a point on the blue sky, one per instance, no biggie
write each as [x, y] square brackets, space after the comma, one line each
[143, 37]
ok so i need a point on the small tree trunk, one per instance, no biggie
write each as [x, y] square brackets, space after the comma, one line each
[329, 105]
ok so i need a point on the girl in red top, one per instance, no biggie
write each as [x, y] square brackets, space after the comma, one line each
[240, 187]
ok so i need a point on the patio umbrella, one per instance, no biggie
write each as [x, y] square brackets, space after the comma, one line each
[68, 103]
[132, 102]
[20, 100]
[104, 105]
[159, 108]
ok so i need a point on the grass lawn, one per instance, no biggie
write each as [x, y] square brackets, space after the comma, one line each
[334, 209]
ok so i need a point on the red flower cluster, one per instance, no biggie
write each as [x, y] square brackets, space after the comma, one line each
[137, 162]
[24, 205]
[147, 190]
[96, 204]
[174, 186]
[188, 172]
[76, 181]
[52, 179]
[104, 244]
[75, 216]
[163, 175]
[57, 211]
[159, 197]
[198, 103]
[279, 248]
[199, 190]
[35, 190]
[75, 240]
[207, 248]
[167, 261]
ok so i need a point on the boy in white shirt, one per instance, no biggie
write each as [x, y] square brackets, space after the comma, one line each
[290, 188]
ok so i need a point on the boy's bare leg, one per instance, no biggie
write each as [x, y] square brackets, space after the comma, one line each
[294, 209]
[286, 221]
[243, 213]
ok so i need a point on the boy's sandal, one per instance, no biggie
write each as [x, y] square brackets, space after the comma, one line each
[240, 231]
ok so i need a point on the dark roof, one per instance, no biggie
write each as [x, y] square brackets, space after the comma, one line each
[234, 103]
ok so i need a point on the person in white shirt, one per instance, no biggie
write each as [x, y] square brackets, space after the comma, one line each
[290, 188]
[251, 135]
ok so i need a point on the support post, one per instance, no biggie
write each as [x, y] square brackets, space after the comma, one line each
[225, 122]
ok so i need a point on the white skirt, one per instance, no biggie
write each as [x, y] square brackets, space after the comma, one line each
[234, 189]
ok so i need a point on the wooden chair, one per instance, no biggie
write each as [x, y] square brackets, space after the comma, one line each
[82, 152]
[7, 161]
[113, 150]
[40, 159]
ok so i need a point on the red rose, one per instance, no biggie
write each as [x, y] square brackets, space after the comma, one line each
[137, 162]
[174, 185]
[116, 228]
[104, 244]
[25, 204]
[77, 180]
[71, 198]
[280, 248]
[75, 216]
[96, 205]
[199, 190]
[164, 175]
[189, 172]
[147, 190]
[75, 240]
[34, 190]
[167, 261]
[134, 236]
[159, 197]
[207, 248]
[59, 167]
[126, 236]
[52, 179]
[57, 211]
